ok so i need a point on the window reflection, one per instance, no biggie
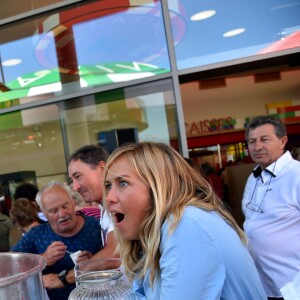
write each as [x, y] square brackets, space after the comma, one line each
[219, 31]
[32, 140]
[99, 43]
[39, 139]
[147, 109]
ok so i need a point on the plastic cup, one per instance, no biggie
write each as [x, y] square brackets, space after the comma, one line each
[74, 256]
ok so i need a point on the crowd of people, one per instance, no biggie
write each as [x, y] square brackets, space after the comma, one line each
[166, 220]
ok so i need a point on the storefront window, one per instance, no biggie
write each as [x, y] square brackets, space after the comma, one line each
[219, 31]
[40, 139]
[217, 110]
[89, 45]
[145, 112]
[31, 140]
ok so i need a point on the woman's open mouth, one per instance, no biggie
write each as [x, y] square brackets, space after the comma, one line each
[119, 217]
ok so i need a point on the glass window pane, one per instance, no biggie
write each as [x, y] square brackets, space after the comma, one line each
[219, 31]
[73, 50]
[31, 140]
[34, 139]
[38, 140]
[144, 112]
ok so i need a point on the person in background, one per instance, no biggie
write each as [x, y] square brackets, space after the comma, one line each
[6, 226]
[176, 240]
[64, 234]
[86, 168]
[26, 190]
[191, 163]
[296, 153]
[87, 209]
[24, 214]
[29, 190]
[213, 178]
[271, 205]
[223, 173]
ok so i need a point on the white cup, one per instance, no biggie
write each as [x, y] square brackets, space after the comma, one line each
[74, 256]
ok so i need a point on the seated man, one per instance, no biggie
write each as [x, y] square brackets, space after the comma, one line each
[64, 233]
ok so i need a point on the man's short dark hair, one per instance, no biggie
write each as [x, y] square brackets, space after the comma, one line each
[26, 190]
[90, 154]
[279, 127]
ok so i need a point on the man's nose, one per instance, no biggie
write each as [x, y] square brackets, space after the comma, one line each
[61, 212]
[257, 145]
[75, 186]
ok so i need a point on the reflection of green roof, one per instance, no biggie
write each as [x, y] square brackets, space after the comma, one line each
[99, 74]
[34, 79]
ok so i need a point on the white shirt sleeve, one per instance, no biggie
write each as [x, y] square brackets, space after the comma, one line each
[106, 224]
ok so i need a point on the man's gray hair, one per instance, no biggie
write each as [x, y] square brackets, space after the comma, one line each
[279, 127]
[48, 187]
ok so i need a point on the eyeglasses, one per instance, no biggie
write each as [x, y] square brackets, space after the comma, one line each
[256, 207]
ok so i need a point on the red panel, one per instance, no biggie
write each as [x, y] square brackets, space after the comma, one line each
[210, 140]
[228, 138]
[288, 108]
[293, 129]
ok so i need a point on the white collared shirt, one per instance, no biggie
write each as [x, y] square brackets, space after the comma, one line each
[273, 230]
[106, 224]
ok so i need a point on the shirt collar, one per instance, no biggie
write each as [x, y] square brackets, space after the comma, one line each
[274, 168]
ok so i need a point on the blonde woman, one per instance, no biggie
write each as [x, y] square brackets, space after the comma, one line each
[175, 238]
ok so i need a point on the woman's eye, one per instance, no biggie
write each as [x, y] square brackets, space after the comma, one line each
[123, 183]
[107, 186]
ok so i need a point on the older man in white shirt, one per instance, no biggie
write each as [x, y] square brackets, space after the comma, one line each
[271, 205]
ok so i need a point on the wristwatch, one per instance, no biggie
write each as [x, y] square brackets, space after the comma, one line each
[62, 276]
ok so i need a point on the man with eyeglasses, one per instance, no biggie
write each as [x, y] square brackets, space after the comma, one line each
[271, 205]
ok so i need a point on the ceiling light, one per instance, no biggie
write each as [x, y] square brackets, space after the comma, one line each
[11, 62]
[203, 15]
[234, 32]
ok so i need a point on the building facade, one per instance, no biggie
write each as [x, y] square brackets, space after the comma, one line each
[187, 73]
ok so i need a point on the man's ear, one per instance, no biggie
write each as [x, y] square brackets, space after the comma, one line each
[101, 165]
[283, 141]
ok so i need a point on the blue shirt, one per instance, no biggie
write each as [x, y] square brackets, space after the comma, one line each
[202, 259]
[38, 239]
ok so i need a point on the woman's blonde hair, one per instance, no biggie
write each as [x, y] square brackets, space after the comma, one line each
[173, 185]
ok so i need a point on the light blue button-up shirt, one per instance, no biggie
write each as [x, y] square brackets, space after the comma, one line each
[202, 259]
